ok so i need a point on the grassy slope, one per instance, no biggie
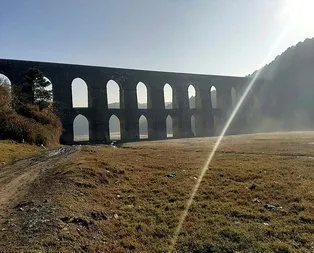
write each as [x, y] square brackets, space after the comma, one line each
[11, 151]
[143, 188]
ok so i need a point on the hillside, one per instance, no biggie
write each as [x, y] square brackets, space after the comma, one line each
[286, 102]
[295, 57]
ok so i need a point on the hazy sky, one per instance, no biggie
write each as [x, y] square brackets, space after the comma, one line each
[227, 37]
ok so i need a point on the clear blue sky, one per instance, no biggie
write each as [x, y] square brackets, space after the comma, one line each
[227, 37]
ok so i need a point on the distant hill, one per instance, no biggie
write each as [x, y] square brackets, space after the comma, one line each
[287, 103]
[294, 58]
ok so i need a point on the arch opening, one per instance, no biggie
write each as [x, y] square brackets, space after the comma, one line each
[193, 125]
[114, 128]
[5, 94]
[5, 81]
[81, 128]
[113, 95]
[192, 97]
[79, 93]
[168, 96]
[143, 127]
[141, 92]
[213, 96]
[48, 90]
[169, 124]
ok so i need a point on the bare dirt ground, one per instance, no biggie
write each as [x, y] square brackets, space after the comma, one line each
[16, 179]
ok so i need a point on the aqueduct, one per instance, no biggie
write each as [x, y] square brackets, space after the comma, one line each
[98, 114]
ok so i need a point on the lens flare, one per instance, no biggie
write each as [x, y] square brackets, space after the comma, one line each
[299, 13]
[219, 139]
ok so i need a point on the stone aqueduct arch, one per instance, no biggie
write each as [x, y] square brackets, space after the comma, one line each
[98, 113]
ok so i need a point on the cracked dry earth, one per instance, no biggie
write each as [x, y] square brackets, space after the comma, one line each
[16, 181]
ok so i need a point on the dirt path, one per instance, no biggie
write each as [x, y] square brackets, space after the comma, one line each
[15, 179]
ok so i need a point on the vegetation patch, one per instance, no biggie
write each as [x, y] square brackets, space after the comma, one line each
[27, 114]
[11, 152]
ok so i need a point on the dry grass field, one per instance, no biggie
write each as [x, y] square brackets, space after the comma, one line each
[11, 151]
[257, 196]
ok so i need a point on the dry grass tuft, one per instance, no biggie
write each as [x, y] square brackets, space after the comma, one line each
[11, 151]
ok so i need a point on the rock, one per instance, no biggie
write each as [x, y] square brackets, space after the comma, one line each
[256, 200]
[99, 215]
[116, 216]
[171, 175]
[24, 204]
[34, 209]
[253, 187]
[77, 220]
[274, 207]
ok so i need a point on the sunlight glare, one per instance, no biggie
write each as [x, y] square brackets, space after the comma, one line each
[299, 13]
[211, 154]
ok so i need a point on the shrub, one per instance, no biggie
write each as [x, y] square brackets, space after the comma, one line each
[43, 116]
[19, 128]
[5, 98]
[29, 123]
